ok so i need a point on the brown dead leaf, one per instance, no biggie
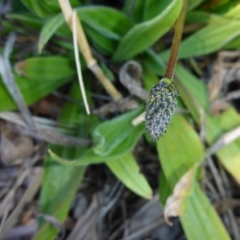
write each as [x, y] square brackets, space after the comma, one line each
[20, 68]
[218, 107]
[26, 217]
[15, 148]
[173, 206]
[50, 106]
[216, 82]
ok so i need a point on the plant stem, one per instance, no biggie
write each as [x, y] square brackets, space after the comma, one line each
[86, 52]
[178, 29]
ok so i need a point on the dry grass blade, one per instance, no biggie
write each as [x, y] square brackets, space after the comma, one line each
[8, 79]
[145, 229]
[85, 50]
[84, 223]
[27, 197]
[43, 131]
[53, 137]
[77, 60]
[39, 122]
[231, 219]
[139, 119]
[227, 138]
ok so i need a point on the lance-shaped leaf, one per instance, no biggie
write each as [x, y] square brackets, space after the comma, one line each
[112, 138]
[179, 150]
[143, 35]
[207, 40]
[126, 169]
[60, 182]
[48, 30]
[46, 68]
[102, 33]
[31, 90]
[111, 134]
[216, 126]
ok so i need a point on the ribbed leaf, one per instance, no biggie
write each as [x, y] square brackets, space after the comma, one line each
[31, 90]
[49, 28]
[28, 19]
[97, 18]
[143, 35]
[110, 134]
[113, 139]
[102, 33]
[60, 182]
[41, 8]
[128, 172]
[207, 40]
[46, 8]
[200, 220]
[195, 96]
[179, 150]
[47, 68]
[215, 125]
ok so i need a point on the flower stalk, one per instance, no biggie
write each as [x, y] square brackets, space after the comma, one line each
[161, 103]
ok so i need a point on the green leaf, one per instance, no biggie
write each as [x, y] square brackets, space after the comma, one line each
[229, 9]
[115, 148]
[179, 150]
[234, 44]
[149, 79]
[216, 126]
[42, 76]
[198, 212]
[152, 8]
[154, 63]
[207, 40]
[28, 19]
[201, 17]
[101, 43]
[193, 3]
[127, 171]
[97, 18]
[59, 189]
[41, 8]
[31, 90]
[108, 135]
[164, 189]
[47, 68]
[134, 10]
[49, 28]
[46, 8]
[102, 33]
[143, 35]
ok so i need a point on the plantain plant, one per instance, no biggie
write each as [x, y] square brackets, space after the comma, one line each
[135, 32]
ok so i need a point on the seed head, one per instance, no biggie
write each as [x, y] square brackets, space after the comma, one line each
[160, 106]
